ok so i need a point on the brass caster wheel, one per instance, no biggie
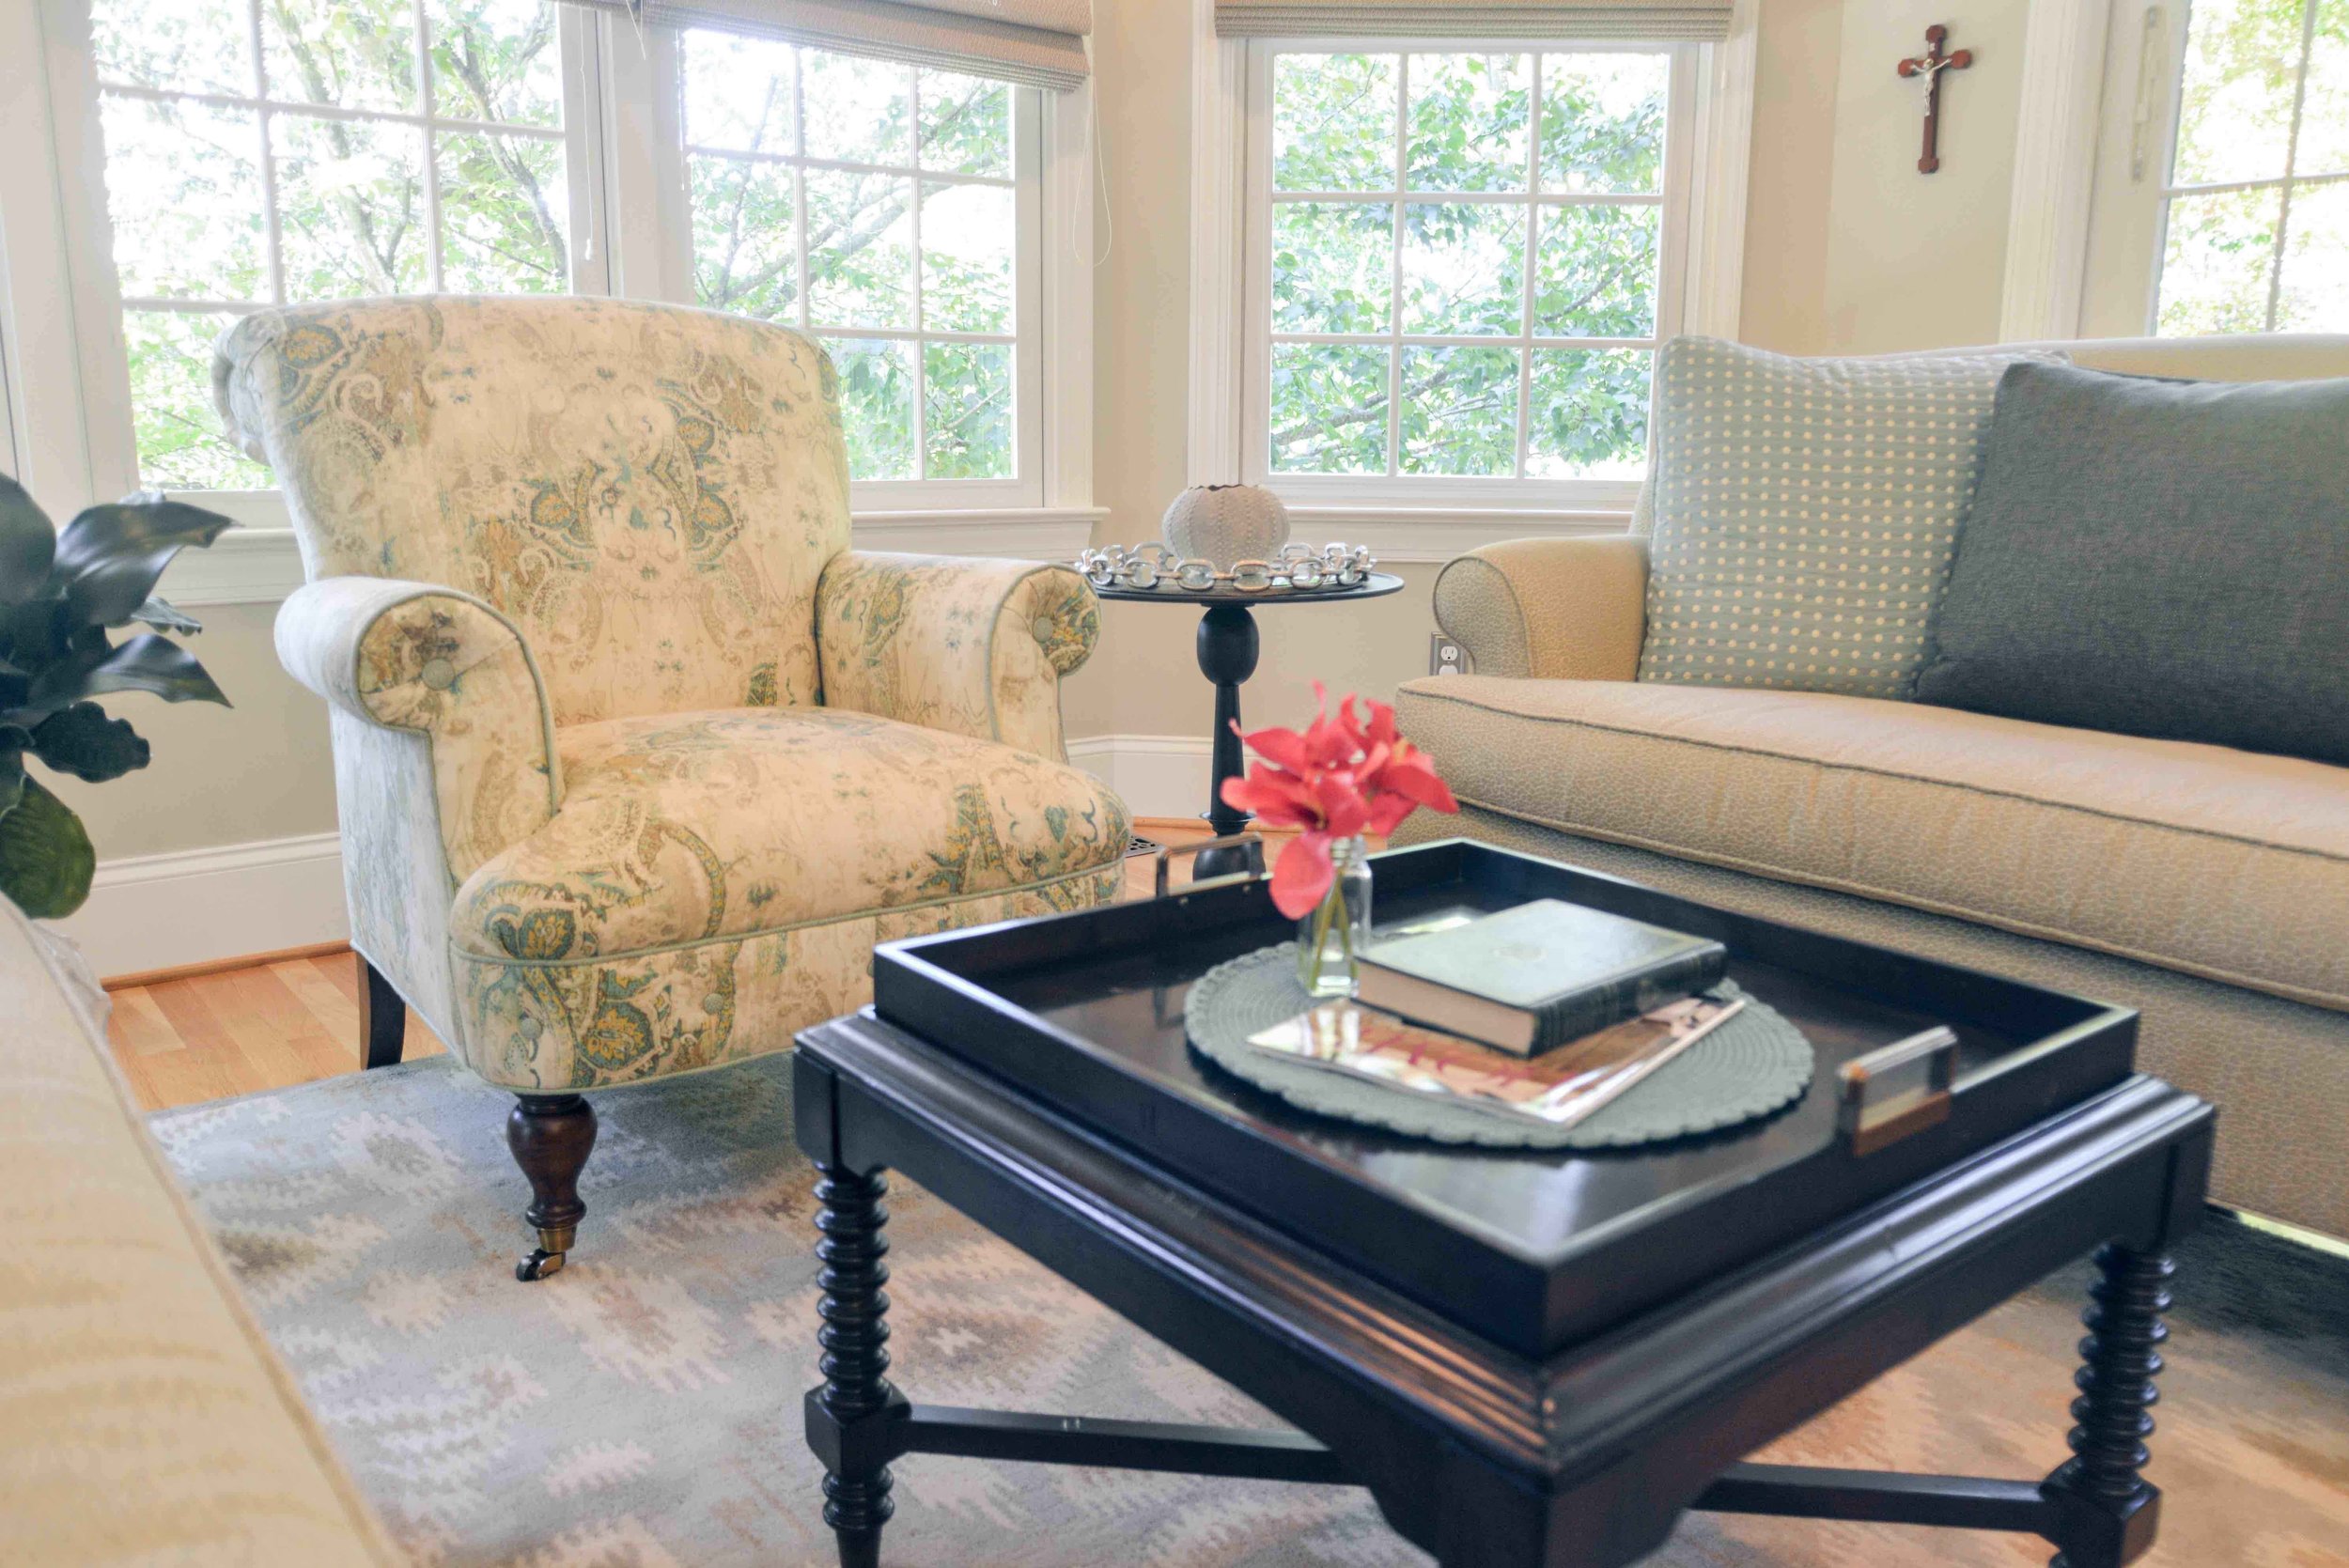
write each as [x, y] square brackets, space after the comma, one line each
[538, 1264]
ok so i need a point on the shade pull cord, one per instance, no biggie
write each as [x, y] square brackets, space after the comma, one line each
[1095, 146]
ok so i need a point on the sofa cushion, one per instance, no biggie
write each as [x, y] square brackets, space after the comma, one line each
[2228, 864]
[2158, 558]
[143, 1417]
[1801, 512]
[673, 829]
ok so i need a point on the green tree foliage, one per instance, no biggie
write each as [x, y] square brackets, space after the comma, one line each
[187, 190]
[926, 130]
[2262, 106]
[1463, 124]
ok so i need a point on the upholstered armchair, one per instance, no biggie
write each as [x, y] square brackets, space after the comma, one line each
[636, 758]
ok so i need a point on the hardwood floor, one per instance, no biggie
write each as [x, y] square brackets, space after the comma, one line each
[240, 1030]
[217, 1031]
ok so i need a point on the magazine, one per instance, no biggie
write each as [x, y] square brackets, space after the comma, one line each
[1558, 1088]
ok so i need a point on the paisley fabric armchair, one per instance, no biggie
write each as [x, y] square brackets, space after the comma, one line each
[636, 758]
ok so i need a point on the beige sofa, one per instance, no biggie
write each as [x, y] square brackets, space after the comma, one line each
[143, 1417]
[2207, 887]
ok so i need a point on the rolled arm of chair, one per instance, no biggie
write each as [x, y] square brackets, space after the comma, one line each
[443, 665]
[1553, 609]
[969, 647]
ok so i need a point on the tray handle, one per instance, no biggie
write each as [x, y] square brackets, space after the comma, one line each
[1163, 860]
[1885, 1100]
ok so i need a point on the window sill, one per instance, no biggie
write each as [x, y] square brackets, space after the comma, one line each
[260, 565]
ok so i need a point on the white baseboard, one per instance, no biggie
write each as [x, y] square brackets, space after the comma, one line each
[1156, 775]
[193, 906]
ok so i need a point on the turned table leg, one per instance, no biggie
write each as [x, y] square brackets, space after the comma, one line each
[852, 1416]
[2112, 1509]
[1227, 656]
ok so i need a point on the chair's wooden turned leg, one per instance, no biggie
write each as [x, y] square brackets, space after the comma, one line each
[552, 1136]
[382, 1018]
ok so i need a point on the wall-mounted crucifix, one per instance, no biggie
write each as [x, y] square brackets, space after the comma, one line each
[1931, 65]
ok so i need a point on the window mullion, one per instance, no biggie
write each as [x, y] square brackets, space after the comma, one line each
[272, 239]
[921, 358]
[799, 180]
[433, 261]
[1533, 250]
[2292, 160]
[1395, 299]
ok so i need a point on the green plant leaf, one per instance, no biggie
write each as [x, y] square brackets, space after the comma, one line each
[36, 632]
[83, 741]
[28, 544]
[111, 556]
[145, 663]
[164, 618]
[13, 741]
[45, 856]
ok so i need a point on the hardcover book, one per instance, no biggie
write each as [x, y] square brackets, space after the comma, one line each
[1529, 979]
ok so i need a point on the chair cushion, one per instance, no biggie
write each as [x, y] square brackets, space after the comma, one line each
[1802, 512]
[693, 827]
[2228, 864]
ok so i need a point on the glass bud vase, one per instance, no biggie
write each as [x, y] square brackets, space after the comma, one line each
[1328, 938]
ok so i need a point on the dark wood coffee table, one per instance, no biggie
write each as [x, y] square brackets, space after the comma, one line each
[1527, 1358]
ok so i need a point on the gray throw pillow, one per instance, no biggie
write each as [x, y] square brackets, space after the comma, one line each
[1801, 512]
[2158, 558]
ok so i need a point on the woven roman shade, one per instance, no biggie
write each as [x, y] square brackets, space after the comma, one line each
[1699, 20]
[1040, 43]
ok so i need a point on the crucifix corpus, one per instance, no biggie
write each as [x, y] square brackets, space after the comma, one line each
[1930, 65]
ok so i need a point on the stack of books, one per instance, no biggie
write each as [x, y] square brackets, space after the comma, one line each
[1546, 1012]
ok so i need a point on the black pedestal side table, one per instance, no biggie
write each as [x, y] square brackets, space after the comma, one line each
[1227, 657]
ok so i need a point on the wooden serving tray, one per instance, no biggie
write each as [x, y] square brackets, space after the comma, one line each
[1537, 1250]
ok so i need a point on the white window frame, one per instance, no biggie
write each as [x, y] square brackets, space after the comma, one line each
[1430, 517]
[2096, 143]
[656, 180]
[1399, 489]
[82, 191]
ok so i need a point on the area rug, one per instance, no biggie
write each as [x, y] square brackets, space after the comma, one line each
[640, 1409]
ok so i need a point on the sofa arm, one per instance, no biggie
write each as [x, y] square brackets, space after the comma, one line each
[1553, 609]
[973, 647]
[440, 664]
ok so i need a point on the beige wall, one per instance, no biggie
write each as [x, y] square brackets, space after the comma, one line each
[1783, 306]
[239, 775]
[1916, 260]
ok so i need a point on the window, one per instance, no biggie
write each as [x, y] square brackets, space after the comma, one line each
[216, 157]
[268, 151]
[2222, 176]
[891, 212]
[2256, 210]
[1460, 265]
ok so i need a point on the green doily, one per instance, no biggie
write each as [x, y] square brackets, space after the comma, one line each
[1755, 1064]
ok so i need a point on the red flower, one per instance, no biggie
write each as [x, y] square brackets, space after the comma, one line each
[1344, 775]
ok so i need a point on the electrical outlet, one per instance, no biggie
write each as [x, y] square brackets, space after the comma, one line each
[1445, 657]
